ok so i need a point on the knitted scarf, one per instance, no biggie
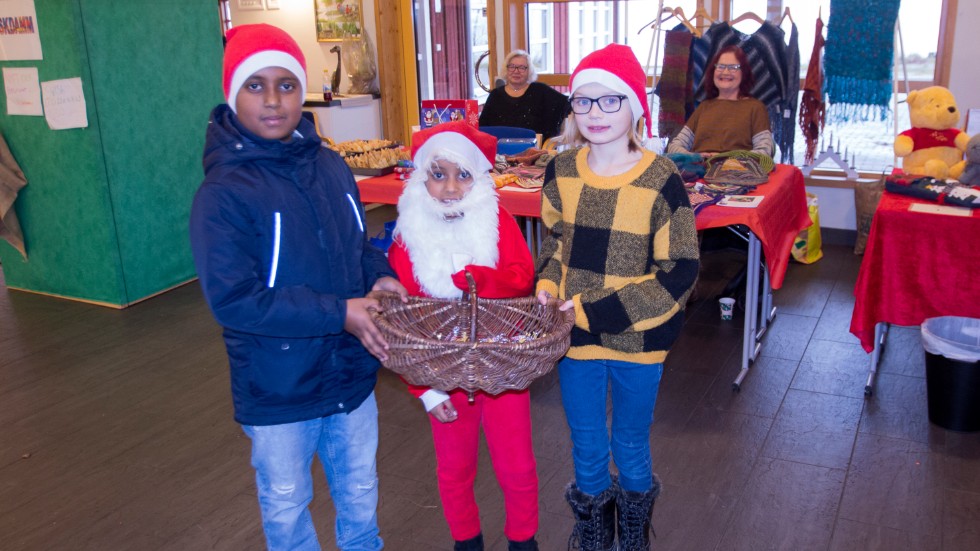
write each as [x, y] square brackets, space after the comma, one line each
[812, 108]
[11, 181]
[858, 60]
[674, 86]
[784, 132]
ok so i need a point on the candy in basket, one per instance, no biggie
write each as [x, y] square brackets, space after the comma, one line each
[472, 344]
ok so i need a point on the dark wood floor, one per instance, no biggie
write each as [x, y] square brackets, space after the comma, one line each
[117, 434]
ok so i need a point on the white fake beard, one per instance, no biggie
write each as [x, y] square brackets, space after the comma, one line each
[435, 232]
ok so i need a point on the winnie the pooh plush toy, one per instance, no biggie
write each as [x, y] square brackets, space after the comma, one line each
[933, 146]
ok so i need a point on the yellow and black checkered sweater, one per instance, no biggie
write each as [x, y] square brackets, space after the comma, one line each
[624, 249]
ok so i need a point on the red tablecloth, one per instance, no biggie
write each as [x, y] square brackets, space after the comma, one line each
[776, 221]
[386, 189]
[916, 266]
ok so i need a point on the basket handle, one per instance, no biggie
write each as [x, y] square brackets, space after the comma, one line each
[471, 283]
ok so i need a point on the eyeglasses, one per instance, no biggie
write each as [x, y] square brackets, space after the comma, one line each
[582, 105]
[725, 67]
[517, 68]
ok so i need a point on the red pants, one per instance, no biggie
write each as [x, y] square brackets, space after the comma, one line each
[506, 421]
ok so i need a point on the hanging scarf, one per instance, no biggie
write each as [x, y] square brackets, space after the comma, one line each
[859, 57]
[812, 108]
[784, 131]
[11, 181]
[674, 84]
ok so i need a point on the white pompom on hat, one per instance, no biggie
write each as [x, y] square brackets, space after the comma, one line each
[251, 48]
[616, 68]
[460, 137]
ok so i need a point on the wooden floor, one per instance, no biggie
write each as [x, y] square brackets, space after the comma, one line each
[117, 434]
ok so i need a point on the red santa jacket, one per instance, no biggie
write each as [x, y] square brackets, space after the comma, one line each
[512, 277]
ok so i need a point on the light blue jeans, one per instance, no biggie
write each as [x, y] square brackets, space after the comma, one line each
[584, 384]
[347, 446]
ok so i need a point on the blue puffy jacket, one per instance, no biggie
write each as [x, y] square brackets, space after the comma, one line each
[279, 241]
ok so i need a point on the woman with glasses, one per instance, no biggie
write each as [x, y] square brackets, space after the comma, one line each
[522, 102]
[730, 118]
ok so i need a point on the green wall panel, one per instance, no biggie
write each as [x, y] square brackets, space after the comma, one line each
[156, 70]
[105, 209]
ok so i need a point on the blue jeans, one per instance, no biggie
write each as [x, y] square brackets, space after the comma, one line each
[347, 446]
[634, 393]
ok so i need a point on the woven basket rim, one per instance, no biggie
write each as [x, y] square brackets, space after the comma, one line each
[382, 322]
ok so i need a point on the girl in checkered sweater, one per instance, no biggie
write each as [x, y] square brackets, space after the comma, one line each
[622, 252]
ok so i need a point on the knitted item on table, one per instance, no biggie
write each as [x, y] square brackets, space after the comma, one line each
[674, 82]
[743, 168]
[812, 107]
[858, 60]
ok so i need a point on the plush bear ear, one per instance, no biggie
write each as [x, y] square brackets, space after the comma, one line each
[910, 99]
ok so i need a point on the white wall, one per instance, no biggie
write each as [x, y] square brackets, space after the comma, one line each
[964, 77]
[296, 18]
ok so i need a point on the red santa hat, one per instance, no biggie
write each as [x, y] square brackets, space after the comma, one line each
[251, 48]
[616, 68]
[478, 148]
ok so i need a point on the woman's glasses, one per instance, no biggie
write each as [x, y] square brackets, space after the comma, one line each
[725, 67]
[581, 105]
[521, 68]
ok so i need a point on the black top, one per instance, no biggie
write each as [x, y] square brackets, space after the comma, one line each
[541, 108]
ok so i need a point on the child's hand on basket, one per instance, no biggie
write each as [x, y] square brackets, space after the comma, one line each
[358, 322]
[391, 285]
[444, 412]
[545, 296]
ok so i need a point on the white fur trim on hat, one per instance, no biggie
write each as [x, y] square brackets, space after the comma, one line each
[259, 61]
[457, 143]
[611, 81]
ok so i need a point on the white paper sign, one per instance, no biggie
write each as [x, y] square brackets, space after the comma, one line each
[64, 103]
[23, 91]
[19, 38]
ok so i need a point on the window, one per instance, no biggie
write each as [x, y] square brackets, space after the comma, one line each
[578, 28]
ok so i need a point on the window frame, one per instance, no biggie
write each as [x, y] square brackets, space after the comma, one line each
[515, 35]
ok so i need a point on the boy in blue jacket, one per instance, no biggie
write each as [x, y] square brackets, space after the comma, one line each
[279, 242]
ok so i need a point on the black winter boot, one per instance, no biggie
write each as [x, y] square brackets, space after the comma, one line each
[473, 544]
[526, 545]
[595, 518]
[635, 510]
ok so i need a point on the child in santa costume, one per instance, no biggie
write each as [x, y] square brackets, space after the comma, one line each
[449, 223]
[622, 253]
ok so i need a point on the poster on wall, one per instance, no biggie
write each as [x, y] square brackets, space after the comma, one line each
[23, 90]
[337, 19]
[64, 103]
[19, 38]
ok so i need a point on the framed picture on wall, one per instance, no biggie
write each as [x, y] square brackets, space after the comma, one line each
[337, 19]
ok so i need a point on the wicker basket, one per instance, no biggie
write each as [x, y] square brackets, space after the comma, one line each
[431, 340]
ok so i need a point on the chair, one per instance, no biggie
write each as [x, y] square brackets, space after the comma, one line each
[511, 140]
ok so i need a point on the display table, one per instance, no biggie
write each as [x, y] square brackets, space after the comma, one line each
[916, 266]
[770, 228]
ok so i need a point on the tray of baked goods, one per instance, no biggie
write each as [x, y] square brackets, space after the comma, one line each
[370, 157]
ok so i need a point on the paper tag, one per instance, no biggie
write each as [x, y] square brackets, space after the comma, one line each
[940, 209]
[787, 114]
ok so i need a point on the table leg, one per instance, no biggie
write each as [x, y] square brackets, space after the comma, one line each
[881, 334]
[750, 330]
